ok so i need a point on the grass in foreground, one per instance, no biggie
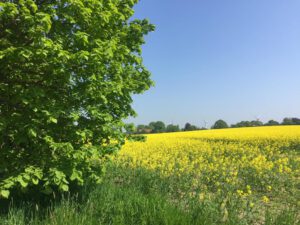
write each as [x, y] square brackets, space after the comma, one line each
[137, 202]
[143, 200]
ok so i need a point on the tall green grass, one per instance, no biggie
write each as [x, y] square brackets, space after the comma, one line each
[135, 197]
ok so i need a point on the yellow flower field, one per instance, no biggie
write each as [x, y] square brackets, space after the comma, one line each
[259, 164]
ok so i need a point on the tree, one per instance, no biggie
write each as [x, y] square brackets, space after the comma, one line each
[272, 123]
[291, 121]
[253, 123]
[157, 127]
[220, 124]
[172, 128]
[189, 127]
[296, 121]
[68, 70]
[130, 128]
[287, 121]
[256, 123]
[242, 124]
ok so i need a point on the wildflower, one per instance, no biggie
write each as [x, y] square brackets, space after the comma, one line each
[201, 196]
[265, 199]
[249, 189]
[240, 192]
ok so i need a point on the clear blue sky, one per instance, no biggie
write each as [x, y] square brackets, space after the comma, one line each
[234, 59]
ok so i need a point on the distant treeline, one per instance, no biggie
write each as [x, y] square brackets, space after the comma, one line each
[161, 127]
[220, 124]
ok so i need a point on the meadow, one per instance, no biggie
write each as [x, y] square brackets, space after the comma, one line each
[226, 176]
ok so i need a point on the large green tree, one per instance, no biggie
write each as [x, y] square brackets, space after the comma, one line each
[68, 69]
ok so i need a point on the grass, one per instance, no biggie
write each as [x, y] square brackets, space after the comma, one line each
[135, 197]
[107, 204]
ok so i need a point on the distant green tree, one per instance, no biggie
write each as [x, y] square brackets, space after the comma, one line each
[253, 123]
[291, 121]
[189, 127]
[272, 123]
[256, 123]
[242, 124]
[220, 124]
[296, 121]
[157, 127]
[287, 121]
[172, 128]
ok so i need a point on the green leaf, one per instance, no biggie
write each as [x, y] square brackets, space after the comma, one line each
[35, 181]
[64, 187]
[22, 182]
[45, 21]
[32, 133]
[2, 54]
[52, 120]
[33, 7]
[4, 193]
[74, 175]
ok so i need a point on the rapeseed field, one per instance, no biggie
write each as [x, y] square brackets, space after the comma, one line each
[258, 167]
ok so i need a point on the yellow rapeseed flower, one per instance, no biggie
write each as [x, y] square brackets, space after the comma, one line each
[238, 161]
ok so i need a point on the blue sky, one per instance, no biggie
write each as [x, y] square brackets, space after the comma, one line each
[233, 59]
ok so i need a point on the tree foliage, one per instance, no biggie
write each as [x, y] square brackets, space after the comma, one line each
[68, 69]
[271, 123]
[157, 127]
[172, 128]
[220, 124]
[253, 123]
[190, 127]
[291, 121]
[130, 128]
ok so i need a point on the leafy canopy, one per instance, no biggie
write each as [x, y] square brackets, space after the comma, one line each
[157, 127]
[220, 124]
[68, 69]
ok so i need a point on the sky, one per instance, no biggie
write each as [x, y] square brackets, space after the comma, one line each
[232, 60]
